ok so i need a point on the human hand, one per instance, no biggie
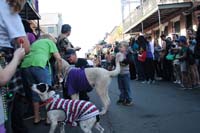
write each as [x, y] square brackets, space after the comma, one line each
[19, 54]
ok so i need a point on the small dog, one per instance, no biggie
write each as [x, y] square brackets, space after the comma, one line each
[97, 78]
[72, 112]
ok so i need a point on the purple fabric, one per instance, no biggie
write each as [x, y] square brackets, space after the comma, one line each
[2, 129]
[77, 81]
[31, 37]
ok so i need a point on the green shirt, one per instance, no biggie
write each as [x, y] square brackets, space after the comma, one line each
[40, 53]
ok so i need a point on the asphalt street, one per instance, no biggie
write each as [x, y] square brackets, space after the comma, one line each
[158, 108]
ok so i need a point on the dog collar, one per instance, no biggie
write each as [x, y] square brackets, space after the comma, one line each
[46, 102]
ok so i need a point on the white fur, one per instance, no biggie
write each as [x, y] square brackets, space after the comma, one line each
[99, 79]
[55, 116]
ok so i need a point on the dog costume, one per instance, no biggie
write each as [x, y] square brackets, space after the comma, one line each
[75, 110]
[76, 81]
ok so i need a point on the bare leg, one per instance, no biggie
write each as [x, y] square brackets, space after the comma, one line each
[36, 108]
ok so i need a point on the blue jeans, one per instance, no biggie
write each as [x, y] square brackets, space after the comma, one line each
[124, 87]
[35, 75]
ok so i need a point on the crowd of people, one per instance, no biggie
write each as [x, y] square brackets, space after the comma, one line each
[30, 59]
[174, 58]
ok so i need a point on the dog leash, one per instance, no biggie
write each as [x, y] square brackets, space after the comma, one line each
[46, 102]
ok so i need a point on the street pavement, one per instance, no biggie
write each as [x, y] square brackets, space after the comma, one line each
[158, 108]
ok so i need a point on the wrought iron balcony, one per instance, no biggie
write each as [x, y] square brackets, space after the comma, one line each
[146, 9]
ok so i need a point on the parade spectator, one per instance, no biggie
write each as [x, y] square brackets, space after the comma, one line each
[125, 97]
[108, 58]
[157, 62]
[197, 49]
[36, 67]
[97, 61]
[89, 60]
[193, 69]
[135, 49]
[186, 83]
[12, 30]
[175, 49]
[29, 31]
[141, 58]
[167, 66]
[149, 66]
[82, 63]
[131, 59]
[63, 42]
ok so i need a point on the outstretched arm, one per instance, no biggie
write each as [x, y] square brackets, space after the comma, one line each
[7, 73]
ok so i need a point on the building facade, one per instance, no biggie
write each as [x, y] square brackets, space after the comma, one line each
[156, 17]
[51, 23]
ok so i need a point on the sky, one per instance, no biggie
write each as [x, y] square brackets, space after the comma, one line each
[90, 19]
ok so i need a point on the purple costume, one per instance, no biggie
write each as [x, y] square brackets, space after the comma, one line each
[77, 81]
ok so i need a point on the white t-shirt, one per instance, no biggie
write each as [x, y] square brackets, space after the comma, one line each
[11, 25]
[90, 63]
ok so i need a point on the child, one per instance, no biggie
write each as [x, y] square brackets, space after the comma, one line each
[123, 78]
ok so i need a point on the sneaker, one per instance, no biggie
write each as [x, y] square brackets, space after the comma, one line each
[175, 82]
[144, 82]
[120, 101]
[128, 103]
[179, 82]
[153, 82]
[149, 82]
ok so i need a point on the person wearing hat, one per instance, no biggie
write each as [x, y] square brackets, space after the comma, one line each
[71, 57]
[63, 43]
[186, 84]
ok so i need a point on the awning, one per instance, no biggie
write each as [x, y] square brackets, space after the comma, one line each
[166, 10]
[29, 12]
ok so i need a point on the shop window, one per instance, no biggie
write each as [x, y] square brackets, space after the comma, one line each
[177, 27]
[188, 21]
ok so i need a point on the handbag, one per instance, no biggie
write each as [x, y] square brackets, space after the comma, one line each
[142, 56]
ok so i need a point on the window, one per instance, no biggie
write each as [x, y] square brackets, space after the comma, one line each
[189, 21]
[177, 27]
[51, 30]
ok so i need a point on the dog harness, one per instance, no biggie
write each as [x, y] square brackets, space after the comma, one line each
[75, 110]
[76, 81]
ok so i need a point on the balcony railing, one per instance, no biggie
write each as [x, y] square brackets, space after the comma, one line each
[145, 10]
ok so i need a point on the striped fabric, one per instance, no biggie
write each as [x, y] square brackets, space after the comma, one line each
[76, 110]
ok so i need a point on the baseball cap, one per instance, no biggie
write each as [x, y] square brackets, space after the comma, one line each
[182, 39]
[69, 52]
[65, 28]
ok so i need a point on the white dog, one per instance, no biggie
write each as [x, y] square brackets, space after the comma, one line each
[61, 110]
[98, 78]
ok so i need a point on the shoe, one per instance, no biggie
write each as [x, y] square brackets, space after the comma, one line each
[120, 101]
[175, 82]
[38, 122]
[128, 103]
[153, 82]
[149, 82]
[144, 82]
